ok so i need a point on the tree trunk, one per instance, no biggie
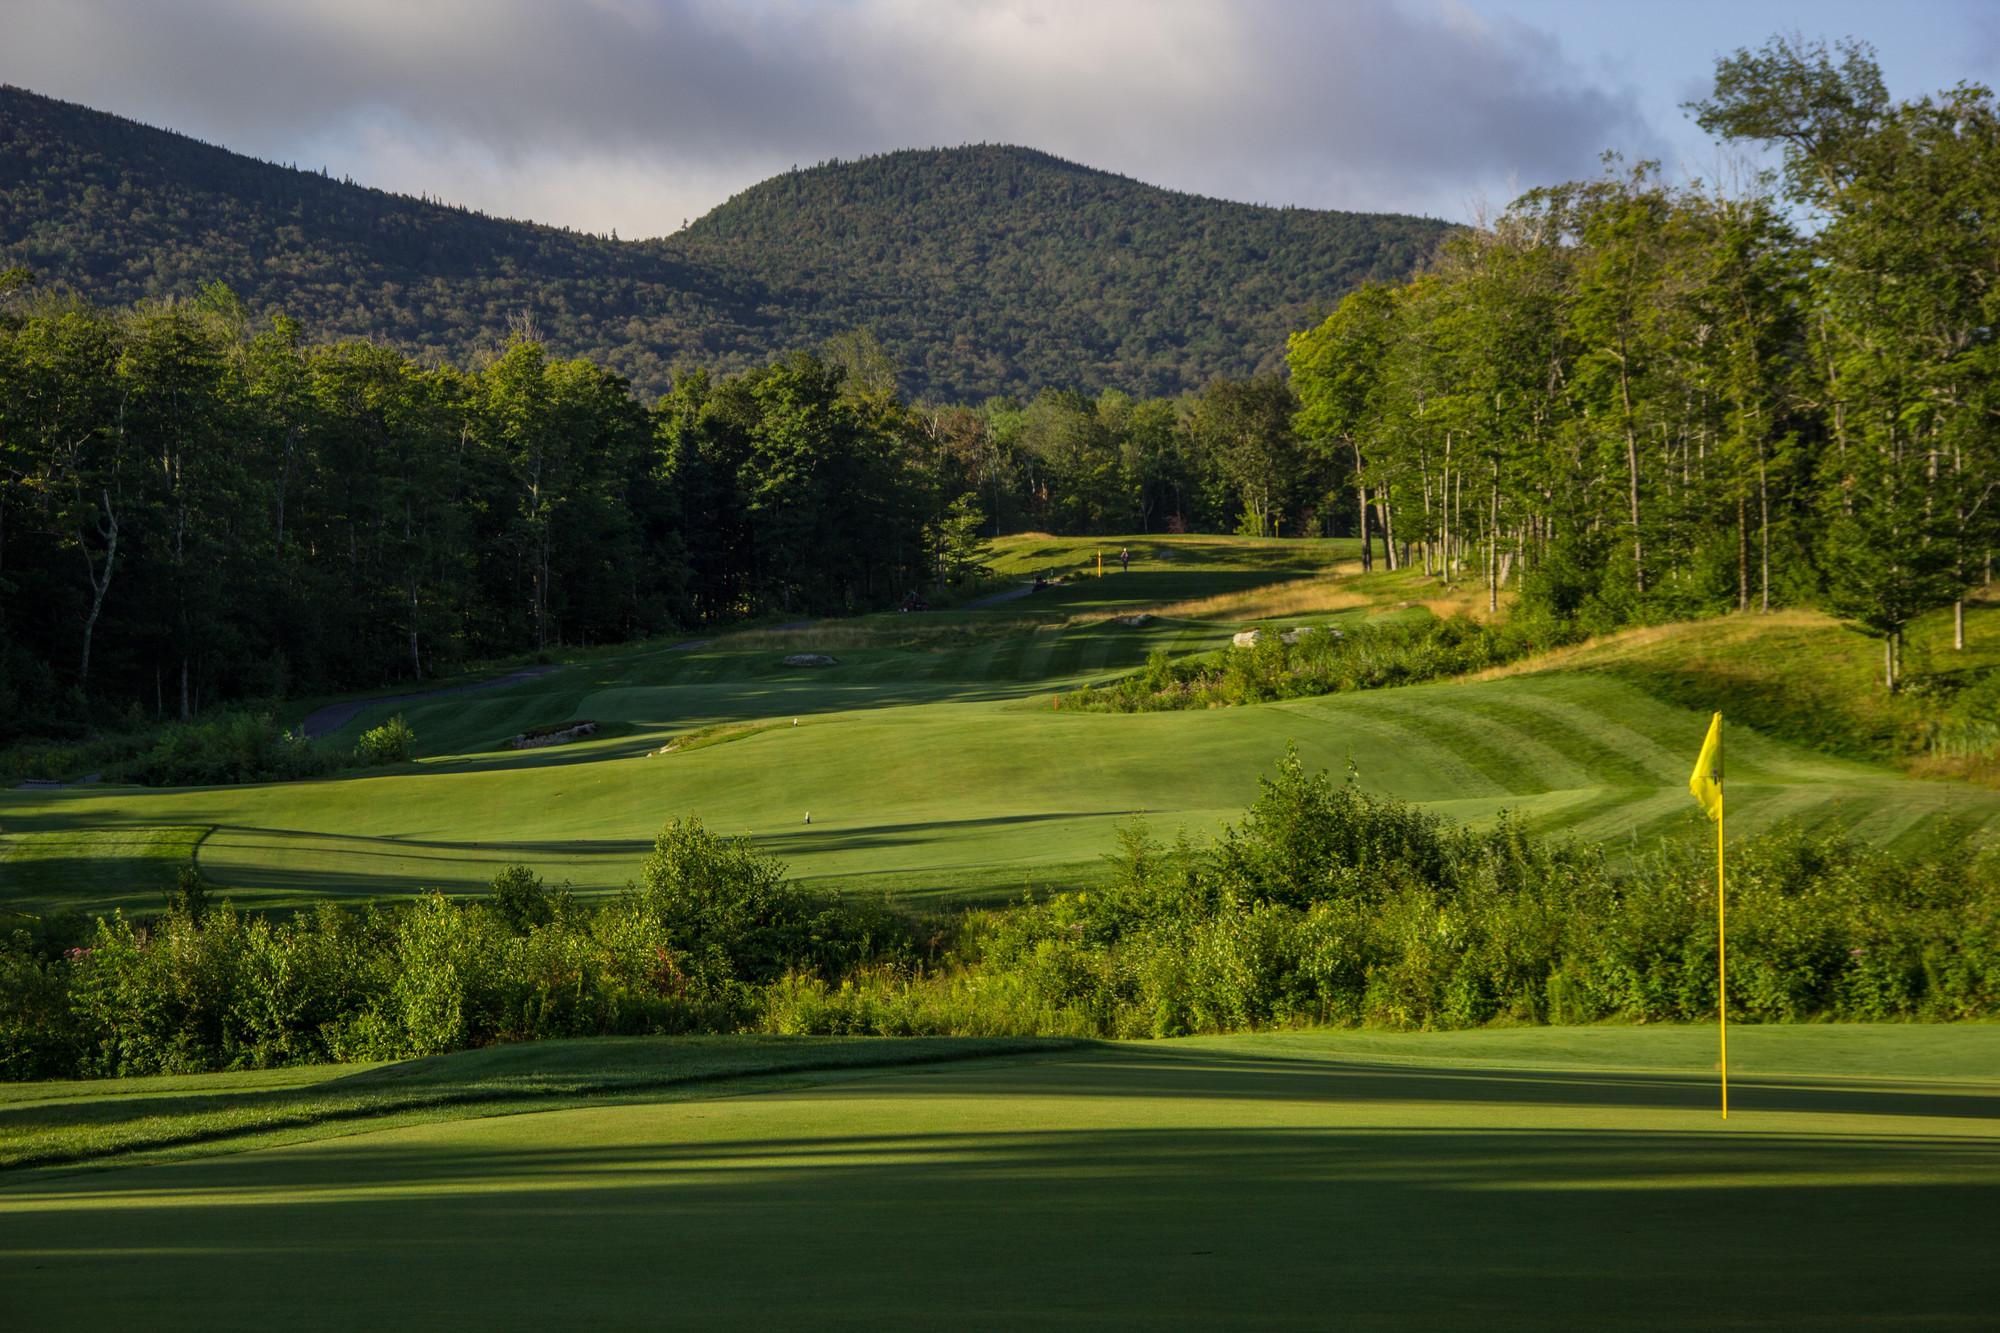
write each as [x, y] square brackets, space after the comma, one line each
[1444, 486]
[1764, 531]
[1361, 489]
[1958, 624]
[1742, 555]
[1632, 473]
[1493, 555]
[99, 585]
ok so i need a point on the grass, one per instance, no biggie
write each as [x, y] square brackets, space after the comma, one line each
[50, 866]
[1800, 674]
[56, 1123]
[935, 766]
[1506, 1179]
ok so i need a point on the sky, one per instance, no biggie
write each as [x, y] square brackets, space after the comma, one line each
[635, 116]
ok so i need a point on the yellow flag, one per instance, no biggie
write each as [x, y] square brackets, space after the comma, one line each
[1706, 784]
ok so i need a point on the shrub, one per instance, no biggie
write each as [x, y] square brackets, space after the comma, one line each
[391, 743]
[227, 748]
[520, 896]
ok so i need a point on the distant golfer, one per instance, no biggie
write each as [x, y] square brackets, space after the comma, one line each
[1125, 560]
[809, 816]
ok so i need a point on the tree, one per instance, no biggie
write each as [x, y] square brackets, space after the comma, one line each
[1245, 426]
[958, 551]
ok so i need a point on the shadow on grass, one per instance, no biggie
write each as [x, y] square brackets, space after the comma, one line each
[999, 1195]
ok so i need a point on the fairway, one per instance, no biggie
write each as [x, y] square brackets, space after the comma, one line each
[933, 761]
[1498, 1179]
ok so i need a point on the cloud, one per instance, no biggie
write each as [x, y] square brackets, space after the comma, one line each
[637, 113]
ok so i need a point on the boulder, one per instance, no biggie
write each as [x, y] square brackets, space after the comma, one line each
[810, 660]
[1249, 638]
[1134, 622]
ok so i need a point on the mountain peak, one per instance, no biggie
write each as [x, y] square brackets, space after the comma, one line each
[982, 269]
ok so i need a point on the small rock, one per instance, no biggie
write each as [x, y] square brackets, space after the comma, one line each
[1133, 622]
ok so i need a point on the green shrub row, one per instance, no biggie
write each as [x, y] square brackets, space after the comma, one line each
[1327, 905]
[1322, 660]
[1324, 905]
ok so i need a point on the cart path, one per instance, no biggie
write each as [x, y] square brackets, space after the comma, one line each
[999, 598]
[325, 721]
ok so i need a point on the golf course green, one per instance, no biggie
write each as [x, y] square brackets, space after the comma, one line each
[1514, 1178]
[932, 759]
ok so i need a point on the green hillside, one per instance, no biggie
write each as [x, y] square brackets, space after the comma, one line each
[932, 758]
[982, 270]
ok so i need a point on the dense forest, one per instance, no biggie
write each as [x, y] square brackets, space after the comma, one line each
[197, 507]
[983, 270]
[1648, 401]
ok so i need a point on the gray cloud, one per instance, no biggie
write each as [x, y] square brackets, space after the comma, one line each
[637, 113]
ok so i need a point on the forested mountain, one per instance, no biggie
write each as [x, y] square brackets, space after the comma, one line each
[981, 270]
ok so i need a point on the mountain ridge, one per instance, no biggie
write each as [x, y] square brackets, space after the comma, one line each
[983, 269]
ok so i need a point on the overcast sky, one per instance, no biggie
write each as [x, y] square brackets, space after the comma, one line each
[638, 114]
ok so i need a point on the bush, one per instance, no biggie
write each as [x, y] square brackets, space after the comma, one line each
[230, 747]
[391, 743]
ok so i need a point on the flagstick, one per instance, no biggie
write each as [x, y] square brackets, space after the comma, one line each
[1721, 949]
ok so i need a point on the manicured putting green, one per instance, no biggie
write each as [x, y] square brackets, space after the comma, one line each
[1494, 1179]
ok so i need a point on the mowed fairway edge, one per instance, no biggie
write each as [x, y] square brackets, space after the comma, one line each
[1329, 1179]
[930, 797]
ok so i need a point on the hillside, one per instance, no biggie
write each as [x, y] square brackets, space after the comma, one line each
[982, 270]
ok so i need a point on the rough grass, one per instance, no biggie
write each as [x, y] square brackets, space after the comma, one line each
[1515, 1180]
[1296, 597]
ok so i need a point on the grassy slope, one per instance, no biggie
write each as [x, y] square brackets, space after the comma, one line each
[1798, 673]
[932, 761]
[1503, 1179]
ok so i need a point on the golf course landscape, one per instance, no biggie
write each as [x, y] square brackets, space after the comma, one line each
[935, 761]
[968, 741]
[1503, 1177]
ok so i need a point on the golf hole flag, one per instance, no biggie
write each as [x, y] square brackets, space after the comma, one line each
[1706, 784]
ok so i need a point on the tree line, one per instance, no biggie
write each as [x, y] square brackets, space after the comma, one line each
[1642, 401]
[198, 507]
